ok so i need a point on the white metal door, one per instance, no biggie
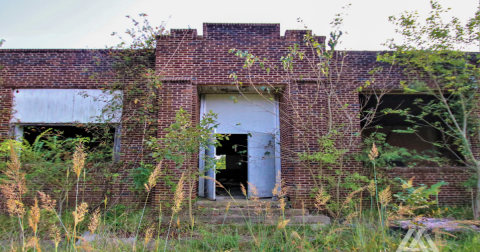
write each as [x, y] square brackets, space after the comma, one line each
[261, 164]
[210, 182]
[247, 114]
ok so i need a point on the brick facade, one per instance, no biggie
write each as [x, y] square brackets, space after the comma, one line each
[67, 69]
[188, 61]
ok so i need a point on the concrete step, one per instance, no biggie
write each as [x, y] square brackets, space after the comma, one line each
[252, 210]
[239, 219]
[323, 219]
[235, 203]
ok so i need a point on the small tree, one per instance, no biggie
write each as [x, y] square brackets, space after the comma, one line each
[433, 55]
[322, 66]
[181, 144]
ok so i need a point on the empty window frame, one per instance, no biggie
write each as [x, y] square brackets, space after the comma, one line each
[421, 141]
[95, 138]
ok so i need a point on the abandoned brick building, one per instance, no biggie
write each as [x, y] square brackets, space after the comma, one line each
[269, 115]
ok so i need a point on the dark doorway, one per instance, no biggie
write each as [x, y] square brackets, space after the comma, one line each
[233, 167]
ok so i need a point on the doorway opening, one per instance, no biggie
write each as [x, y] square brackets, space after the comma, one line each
[232, 164]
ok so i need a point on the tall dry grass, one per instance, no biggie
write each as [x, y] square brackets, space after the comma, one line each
[267, 225]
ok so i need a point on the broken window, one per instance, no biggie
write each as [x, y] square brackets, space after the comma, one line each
[54, 112]
[101, 140]
[391, 124]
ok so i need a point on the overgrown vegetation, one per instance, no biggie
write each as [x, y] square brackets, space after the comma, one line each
[323, 100]
[436, 63]
[39, 179]
[40, 226]
[47, 162]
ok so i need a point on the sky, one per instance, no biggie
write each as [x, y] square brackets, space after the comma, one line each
[90, 23]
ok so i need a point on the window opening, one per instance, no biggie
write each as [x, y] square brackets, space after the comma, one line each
[421, 141]
[97, 139]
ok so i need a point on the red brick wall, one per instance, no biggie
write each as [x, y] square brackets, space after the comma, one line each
[205, 60]
[68, 69]
[37, 68]
[452, 194]
[286, 142]
[188, 61]
[175, 94]
[5, 111]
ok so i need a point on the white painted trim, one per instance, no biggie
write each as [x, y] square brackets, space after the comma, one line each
[117, 142]
[18, 132]
[212, 186]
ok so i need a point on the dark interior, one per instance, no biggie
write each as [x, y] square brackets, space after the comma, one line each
[234, 167]
[65, 132]
[421, 141]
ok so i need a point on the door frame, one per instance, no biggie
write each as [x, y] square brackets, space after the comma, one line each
[277, 133]
[277, 147]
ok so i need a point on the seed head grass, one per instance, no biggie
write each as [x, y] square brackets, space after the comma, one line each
[153, 178]
[79, 160]
[179, 195]
[94, 221]
[47, 202]
[79, 214]
[34, 217]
